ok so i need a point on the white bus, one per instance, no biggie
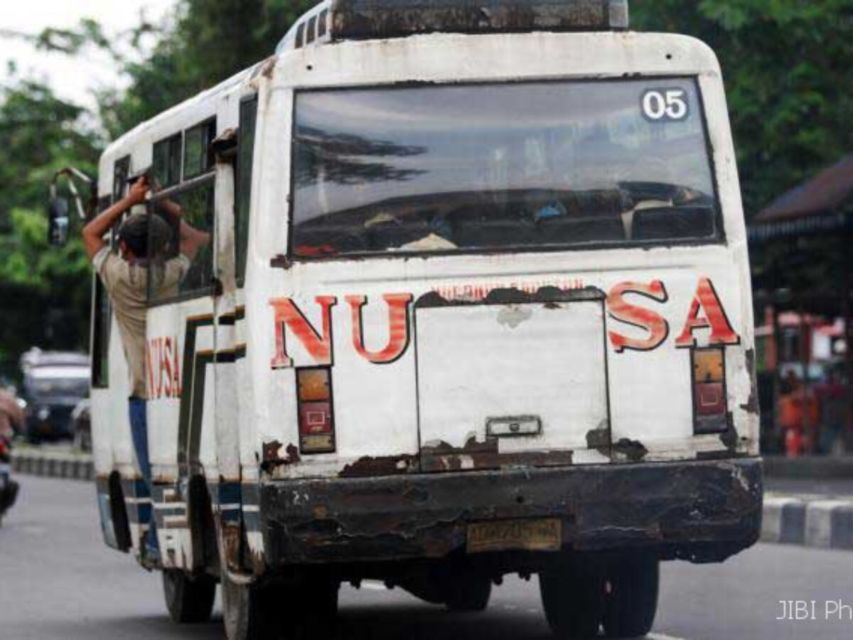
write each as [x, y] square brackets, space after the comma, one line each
[478, 303]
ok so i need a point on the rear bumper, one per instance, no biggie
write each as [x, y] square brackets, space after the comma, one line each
[699, 510]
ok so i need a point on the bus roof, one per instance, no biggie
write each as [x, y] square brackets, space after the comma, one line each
[335, 20]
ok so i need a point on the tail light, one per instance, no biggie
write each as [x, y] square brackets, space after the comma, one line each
[709, 390]
[316, 415]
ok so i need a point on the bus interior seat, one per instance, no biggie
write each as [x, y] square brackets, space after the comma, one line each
[574, 229]
[395, 234]
[499, 232]
[673, 223]
[342, 238]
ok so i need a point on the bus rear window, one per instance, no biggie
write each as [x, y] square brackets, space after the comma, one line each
[505, 166]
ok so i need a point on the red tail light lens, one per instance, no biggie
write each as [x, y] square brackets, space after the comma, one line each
[316, 413]
[709, 390]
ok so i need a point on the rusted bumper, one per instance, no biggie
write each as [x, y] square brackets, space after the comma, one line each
[698, 510]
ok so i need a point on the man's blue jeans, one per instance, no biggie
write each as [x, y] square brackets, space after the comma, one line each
[139, 433]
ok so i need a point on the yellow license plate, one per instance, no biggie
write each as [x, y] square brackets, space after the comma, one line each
[539, 534]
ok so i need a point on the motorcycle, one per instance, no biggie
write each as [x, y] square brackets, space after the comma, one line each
[8, 487]
[11, 419]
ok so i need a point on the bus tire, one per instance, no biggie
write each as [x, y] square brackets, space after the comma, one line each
[573, 598]
[631, 598]
[188, 599]
[468, 593]
[244, 610]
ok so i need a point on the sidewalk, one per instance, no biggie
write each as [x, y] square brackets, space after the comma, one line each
[54, 462]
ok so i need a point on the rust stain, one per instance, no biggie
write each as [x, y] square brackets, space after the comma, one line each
[268, 67]
[751, 404]
[729, 437]
[356, 19]
[231, 545]
[380, 466]
[281, 261]
[442, 456]
[270, 451]
[292, 454]
[257, 561]
[272, 456]
[549, 296]
[633, 450]
[599, 440]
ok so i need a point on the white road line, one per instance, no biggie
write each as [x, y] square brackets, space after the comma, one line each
[373, 585]
[661, 636]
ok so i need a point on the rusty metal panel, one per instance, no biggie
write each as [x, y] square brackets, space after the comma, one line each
[697, 510]
[363, 19]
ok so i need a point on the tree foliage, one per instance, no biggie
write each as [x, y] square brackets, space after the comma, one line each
[788, 66]
[208, 42]
[44, 292]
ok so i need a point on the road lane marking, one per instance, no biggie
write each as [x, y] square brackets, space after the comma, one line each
[661, 636]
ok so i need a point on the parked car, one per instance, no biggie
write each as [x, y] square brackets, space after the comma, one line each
[54, 382]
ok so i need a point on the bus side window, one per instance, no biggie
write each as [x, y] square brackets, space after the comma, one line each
[245, 152]
[121, 171]
[197, 158]
[166, 165]
[175, 202]
[194, 203]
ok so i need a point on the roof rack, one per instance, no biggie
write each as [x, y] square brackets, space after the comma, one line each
[360, 19]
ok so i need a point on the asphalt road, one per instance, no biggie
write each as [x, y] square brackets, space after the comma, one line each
[58, 581]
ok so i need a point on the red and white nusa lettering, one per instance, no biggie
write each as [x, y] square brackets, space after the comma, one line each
[706, 312]
[319, 345]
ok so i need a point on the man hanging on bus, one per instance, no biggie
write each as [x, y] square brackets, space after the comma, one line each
[143, 238]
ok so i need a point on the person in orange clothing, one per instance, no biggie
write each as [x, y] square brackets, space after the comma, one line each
[798, 416]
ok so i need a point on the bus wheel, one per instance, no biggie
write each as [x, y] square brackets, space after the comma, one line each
[468, 593]
[243, 610]
[573, 598]
[631, 596]
[188, 599]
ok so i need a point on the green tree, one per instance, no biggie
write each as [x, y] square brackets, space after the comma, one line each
[788, 66]
[207, 42]
[44, 292]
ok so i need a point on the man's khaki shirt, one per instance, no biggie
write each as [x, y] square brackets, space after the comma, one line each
[127, 285]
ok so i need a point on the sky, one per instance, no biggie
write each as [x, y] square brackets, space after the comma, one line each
[71, 78]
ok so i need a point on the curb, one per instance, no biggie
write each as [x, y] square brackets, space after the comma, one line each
[813, 521]
[808, 467]
[52, 464]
